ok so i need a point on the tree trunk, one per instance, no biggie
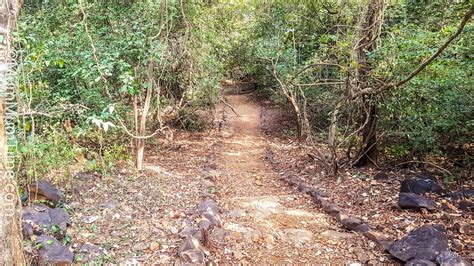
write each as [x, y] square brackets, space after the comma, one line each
[368, 153]
[369, 33]
[11, 251]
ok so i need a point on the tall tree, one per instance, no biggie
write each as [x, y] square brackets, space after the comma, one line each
[11, 252]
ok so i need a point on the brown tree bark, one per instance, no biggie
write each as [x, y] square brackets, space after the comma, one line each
[11, 249]
[368, 34]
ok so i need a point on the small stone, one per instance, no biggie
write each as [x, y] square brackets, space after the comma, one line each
[174, 230]
[448, 258]
[255, 237]
[464, 228]
[381, 176]
[420, 185]
[361, 228]
[90, 219]
[207, 205]
[414, 201]
[457, 245]
[361, 255]
[319, 200]
[351, 223]
[51, 251]
[332, 209]
[44, 190]
[187, 231]
[154, 246]
[269, 239]
[191, 251]
[466, 205]
[205, 225]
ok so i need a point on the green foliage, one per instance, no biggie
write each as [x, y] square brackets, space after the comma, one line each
[434, 110]
[71, 61]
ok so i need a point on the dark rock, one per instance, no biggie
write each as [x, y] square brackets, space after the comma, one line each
[332, 209]
[199, 235]
[213, 217]
[468, 193]
[304, 188]
[27, 230]
[420, 262]
[362, 228]
[205, 224]
[187, 231]
[350, 223]
[313, 192]
[59, 217]
[381, 176]
[51, 251]
[414, 201]
[420, 185]
[466, 205]
[42, 217]
[43, 190]
[208, 205]
[191, 251]
[89, 252]
[448, 258]
[319, 200]
[426, 243]
[458, 195]
[292, 180]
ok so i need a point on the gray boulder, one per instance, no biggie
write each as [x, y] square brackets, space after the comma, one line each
[426, 243]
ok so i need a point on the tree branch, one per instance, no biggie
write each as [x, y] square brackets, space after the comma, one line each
[425, 63]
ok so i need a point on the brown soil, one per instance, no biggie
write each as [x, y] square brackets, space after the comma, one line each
[136, 217]
[268, 221]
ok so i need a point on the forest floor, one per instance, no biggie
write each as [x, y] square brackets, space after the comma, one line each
[137, 217]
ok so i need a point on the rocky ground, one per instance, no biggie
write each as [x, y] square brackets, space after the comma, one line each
[237, 194]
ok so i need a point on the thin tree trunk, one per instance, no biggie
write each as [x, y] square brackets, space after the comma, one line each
[140, 148]
[11, 250]
[367, 43]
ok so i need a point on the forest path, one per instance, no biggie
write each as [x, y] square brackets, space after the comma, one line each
[268, 221]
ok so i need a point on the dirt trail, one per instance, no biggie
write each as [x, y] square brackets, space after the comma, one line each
[268, 221]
